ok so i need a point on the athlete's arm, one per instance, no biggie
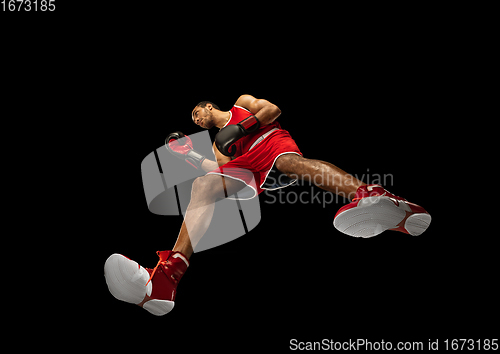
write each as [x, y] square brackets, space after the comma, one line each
[265, 111]
[221, 159]
[209, 165]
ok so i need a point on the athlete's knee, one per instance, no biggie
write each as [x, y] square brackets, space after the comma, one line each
[201, 184]
[206, 186]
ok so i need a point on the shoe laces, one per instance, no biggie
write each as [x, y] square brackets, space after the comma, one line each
[153, 273]
[162, 260]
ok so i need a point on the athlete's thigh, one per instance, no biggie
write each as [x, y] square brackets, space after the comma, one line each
[217, 185]
[291, 164]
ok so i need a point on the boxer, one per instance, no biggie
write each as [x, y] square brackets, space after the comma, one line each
[249, 146]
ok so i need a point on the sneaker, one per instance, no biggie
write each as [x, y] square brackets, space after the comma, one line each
[374, 210]
[152, 289]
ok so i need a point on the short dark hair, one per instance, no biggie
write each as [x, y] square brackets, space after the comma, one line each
[203, 104]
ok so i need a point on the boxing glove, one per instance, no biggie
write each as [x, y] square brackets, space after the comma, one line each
[225, 139]
[181, 146]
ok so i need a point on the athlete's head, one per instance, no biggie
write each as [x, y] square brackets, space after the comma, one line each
[203, 114]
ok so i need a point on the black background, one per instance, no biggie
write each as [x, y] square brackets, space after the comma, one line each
[112, 85]
[295, 276]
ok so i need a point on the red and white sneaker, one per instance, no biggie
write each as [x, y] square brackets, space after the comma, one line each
[152, 289]
[374, 210]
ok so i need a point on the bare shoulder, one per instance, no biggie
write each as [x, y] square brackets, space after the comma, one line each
[251, 103]
[245, 101]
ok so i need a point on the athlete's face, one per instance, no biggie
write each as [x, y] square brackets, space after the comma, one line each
[203, 116]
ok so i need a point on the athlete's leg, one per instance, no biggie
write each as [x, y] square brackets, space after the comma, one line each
[323, 174]
[206, 190]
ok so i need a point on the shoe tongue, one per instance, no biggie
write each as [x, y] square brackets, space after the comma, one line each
[164, 255]
[370, 190]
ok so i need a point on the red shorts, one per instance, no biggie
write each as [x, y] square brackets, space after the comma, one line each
[253, 167]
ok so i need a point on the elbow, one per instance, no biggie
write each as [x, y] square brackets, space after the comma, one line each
[276, 111]
[269, 114]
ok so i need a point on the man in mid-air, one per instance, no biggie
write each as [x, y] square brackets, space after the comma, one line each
[249, 145]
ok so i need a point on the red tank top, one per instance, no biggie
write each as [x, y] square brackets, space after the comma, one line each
[237, 115]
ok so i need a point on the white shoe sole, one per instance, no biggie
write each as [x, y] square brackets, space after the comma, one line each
[416, 224]
[126, 281]
[374, 215]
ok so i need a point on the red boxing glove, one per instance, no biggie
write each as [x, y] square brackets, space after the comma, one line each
[177, 148]
[181, 146]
